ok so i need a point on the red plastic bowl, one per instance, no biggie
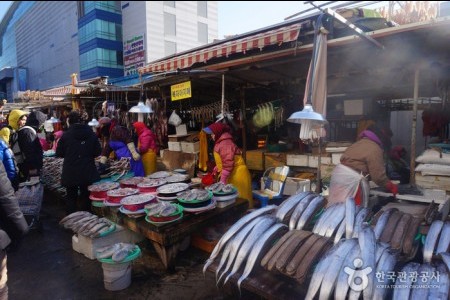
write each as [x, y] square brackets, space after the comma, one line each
[139, 203]
[99, 194]
[164, 219]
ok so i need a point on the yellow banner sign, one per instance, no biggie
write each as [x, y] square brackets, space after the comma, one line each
[181, 91]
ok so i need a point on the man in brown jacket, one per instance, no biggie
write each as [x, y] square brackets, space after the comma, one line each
[365, 158]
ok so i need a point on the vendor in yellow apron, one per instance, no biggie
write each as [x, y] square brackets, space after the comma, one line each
[224, 147]
[147, 147]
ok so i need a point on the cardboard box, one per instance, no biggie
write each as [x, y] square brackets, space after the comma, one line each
[300, 160]
[314, 161]
[174, 146]
[274, 160]
[88, 246]
[294, 186]
[254, 159]
[190, 147]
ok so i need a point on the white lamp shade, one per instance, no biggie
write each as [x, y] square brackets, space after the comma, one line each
[307, 114]
[141, 108]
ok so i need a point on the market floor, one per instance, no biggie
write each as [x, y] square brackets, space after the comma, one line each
[46, 267]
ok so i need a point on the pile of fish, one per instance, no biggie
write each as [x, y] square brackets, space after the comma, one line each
[398, 229]
[355, 261]
[295, 253]
[87, 224]
[245, 243]
[117, 252]
[162, 209]
[424, 281]
[341, 220]
[437, 241]
[194, 194]
[219, 187]
[116, 167]
[51, 174]
[299, 210]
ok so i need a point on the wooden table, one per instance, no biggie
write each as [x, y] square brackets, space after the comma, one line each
[167, 238]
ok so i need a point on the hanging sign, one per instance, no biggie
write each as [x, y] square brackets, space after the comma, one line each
[181, 91]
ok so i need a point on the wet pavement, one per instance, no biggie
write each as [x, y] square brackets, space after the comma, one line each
[46, 267]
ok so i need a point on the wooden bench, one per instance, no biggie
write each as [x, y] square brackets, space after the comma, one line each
[166, 238]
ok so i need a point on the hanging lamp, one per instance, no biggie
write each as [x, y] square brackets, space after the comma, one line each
[141, 109]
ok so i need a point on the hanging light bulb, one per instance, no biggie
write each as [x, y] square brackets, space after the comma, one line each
[94, 124]
[141, 109]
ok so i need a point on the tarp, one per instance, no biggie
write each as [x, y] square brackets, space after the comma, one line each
[273, 37]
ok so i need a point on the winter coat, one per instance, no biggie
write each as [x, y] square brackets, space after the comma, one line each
[12, 222]
[366, 156]
[7, 157]
[14, 117]
[227, 149]
[79, 146]
[117, 133]
[121, 150]
[146, 138]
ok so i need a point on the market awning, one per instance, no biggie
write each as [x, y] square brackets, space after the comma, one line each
[273, 37]
[61, 91]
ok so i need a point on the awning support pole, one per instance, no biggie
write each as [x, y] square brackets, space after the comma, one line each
[412, 164]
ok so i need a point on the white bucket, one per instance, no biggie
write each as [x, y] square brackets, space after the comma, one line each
[116, 276]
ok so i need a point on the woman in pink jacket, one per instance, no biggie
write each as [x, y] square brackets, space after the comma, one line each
[57, 135]
[147, 147]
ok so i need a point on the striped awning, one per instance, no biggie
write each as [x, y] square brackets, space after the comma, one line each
[257, 41]
[60, 91]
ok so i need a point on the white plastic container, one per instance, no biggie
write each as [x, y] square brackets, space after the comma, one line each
[116, 277]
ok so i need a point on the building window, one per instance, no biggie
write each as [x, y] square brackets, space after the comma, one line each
[203, 33]
[170, 48]
[169, 3]
[112, 6]
[101, 58]
[100, 29]
[169, 24]
[202, 8]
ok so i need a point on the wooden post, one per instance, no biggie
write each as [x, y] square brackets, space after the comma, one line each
[412, 166]
[243, 121]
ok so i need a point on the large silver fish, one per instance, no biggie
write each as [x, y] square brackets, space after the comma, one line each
[313, 207]
[336, 266]
[381, 247]
[234, 229]
[421, 292]
[77, 214]
[350, 215]
[260, 249]
[446, 259]
[122, 252]
[342, 286]
[337, 218]
[367, 244]
[236, 244]
[431, 240]
[299, 209]
[404, 292]
[286, 208]
[107, 251]
[443, 283]
[252, 238]
[323, 218]
[274, 249]
[361, 217]
[275, 258]
[321, 269]
[444, 240]
[385, 266]
[340, 232]
[382, 221]
[365, 188]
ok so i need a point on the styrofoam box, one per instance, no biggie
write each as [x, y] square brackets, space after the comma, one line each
[174, 146]
[313, 161]
[88, 246]
[181, 129]
[336, 158]
[300, 160]
[294, 185]
[190, 147]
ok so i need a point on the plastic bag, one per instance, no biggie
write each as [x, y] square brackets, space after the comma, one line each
[344, 183]
[174, 119]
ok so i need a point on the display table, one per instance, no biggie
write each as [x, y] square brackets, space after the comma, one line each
[167, 238]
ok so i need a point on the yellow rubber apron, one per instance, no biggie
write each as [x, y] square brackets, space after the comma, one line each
[149, 161]
[239, 177]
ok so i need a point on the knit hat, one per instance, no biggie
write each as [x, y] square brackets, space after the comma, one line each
[14, 116]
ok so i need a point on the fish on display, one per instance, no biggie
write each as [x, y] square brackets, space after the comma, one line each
[431, 240]
[286, 208]
[444, 240]
[315, 205]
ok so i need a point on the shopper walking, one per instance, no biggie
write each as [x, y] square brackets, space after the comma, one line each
[7, 158]
[79, 146]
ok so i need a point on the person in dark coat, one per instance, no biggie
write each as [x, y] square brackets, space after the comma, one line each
[79, 146]
[30, 145]
[12, 227]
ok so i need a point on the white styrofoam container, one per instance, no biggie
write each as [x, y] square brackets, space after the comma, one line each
[313, 161]
[88, 246]
[190, 147]
[300, 160]
[294, 186]
[174, 146]
[336, 158]
[181, 129]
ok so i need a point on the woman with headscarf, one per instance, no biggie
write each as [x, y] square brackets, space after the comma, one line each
[361, 161]
[147, 147]
[56, 137]
[229, 161]
[7, 157]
